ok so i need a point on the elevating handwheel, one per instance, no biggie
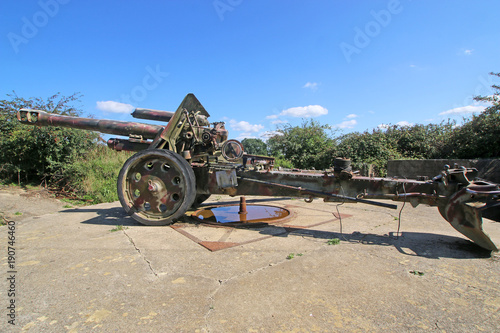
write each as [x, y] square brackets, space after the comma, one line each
[156, 186]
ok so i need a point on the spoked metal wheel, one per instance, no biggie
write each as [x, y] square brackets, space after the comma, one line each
[156, 186]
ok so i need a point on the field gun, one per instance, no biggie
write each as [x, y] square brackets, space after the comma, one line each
[180, 164]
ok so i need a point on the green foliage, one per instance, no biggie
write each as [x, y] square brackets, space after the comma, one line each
[374, 148]
[307, 146]
[420, 141]
[93, 176]
[280, 162]
[333, 241]
[30, 152]
[254, 146]
[479, 136]
[119, 228]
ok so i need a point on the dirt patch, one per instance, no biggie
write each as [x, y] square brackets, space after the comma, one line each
[17, 203]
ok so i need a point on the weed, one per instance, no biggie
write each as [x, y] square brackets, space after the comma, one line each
[333, 241]
[300, 254]
[118, 228]
[418, 273]
[290, 256]
[18, 213]
[94, 176]
[73, 202]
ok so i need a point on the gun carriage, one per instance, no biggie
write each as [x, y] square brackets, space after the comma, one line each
[180, 164]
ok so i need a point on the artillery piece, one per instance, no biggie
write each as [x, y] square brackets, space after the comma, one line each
[180, 164]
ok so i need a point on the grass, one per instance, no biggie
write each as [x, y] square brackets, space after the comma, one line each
[94, 176]
[118, 228]
[333, 241]
[74, 202]
[292, 255]
[14, 185]
[18, 213]
[417, 273]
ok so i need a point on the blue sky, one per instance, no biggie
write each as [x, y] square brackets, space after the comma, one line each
[255, 64]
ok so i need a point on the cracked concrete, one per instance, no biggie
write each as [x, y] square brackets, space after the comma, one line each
[139, 251]
[75, 275]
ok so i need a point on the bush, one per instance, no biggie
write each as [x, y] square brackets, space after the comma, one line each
[94, 175]
[374, 148]
[305, 147]
[32, 153]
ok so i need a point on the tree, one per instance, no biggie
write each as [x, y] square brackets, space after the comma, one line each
[307, 146]
[32, 152]
[420, 141]
[479, 136]
[254, 146]
[374, 148]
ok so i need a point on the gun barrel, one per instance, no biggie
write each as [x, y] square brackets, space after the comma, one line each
[151, 114]
[124, 128]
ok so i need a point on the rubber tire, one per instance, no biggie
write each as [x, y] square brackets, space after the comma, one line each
[174, 160]
[199, 199]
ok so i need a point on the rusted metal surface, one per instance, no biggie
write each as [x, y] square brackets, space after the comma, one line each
[126, 128]
[150, 114]
[203, 161]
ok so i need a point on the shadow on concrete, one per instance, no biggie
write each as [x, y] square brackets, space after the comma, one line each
[426, 245]
[237, 201]
[111, 216]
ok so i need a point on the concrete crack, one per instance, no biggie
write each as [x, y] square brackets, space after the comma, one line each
[140, 253]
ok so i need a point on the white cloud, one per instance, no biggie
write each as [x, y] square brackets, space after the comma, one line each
[347, 124]
[383, 126]
[311, 85]
[463, 110]
[114, 107]
[278, 121]
[269, 134]
[351, 116]
[400, 123]
[245, 126]
[404, 123]
[243, 136]
[305, 111]
[468, 52]
[273, 116]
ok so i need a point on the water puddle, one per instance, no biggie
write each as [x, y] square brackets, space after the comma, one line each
[254, 213]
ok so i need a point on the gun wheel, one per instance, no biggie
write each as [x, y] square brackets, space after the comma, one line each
[156, 186]
[199, 199]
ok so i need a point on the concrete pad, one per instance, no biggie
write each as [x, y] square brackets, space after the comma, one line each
[74, 274]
